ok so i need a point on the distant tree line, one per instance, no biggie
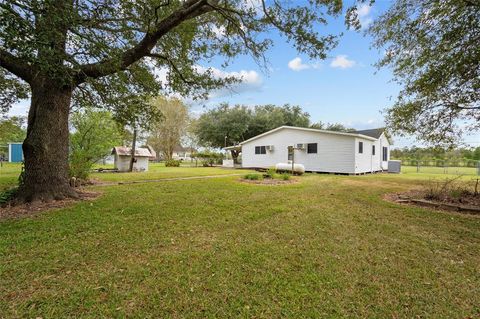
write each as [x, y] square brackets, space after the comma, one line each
[228, 125]
[437, 156]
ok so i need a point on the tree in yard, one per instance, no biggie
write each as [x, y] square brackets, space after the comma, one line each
[11, 130]
[167, 133]
[337, 127]
[104, 53]
[268, 117]
[229, 125]
[190, 139]
[223, 126]
[95, 134]
[433, 48]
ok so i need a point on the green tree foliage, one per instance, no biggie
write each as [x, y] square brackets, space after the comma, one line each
[229, 125]
[267, 117]
[167, 132]
[437, 153]
[433, 48]
[337, 127]
[108, 50]
[107, 53]
[11, 90]
[95, 134]
[11, 130]
[208, 158]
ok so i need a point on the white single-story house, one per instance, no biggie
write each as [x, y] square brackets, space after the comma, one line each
[182, 153]
[123, 156]
[359, 152]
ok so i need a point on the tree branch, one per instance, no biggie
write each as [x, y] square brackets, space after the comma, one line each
[190, 10]
[173, 66]
[472, 3]
[16, 66]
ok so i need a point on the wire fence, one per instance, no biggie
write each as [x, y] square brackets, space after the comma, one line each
[435, 166]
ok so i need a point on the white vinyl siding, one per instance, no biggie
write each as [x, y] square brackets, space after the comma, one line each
[383, 142]
[122, 163]
[335, 153]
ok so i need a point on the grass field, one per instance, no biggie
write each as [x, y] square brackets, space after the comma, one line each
[9, 173]
[159, 171]
[469, 171]
[325, 247]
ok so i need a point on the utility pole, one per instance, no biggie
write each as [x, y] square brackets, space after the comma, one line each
[226, 152]
[134, 142]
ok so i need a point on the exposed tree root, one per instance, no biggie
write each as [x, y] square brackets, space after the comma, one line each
[16, 209]
[36, 194]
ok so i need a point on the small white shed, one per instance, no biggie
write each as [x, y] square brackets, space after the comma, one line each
[122, 156]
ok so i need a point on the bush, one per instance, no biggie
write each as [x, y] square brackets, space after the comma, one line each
[285, 176]
[95, 133]
[79, 166]
[172, 163]
[271, 173]
[209, 158]
[8, 195]
[450, 188]
[253, 177]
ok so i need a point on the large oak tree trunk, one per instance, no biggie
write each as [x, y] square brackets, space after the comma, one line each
[46, 147]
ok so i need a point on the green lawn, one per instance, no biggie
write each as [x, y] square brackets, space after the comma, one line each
[10, 171]
[326, 247]
[469, 171]
[159, 171]
[9, 175]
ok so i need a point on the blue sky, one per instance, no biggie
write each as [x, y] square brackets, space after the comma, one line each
[345, 88]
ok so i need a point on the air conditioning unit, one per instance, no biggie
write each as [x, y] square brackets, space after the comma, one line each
[269, 148]
[300, 146]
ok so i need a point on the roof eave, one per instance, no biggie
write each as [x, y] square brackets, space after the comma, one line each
[310, 130]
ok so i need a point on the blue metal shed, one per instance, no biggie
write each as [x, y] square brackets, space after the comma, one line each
[15, 152]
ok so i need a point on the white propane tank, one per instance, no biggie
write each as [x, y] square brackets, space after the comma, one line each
[297, 168]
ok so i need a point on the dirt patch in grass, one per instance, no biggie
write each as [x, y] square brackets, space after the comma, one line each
[468, 203]
[270, 181]
[10, 211]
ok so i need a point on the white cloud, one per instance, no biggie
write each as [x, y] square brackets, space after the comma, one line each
[219, 31]
[297, 65]
[20, 108]
[341, 61]
[250, 77]
[249, 80]
[254, 4]
[161, 74]
[363, 12]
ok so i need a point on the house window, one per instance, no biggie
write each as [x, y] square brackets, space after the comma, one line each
[385, 154]
[373, 149]
[360, 147]
[312, 148]
[260, 150]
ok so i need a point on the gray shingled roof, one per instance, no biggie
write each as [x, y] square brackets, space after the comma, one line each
[127, 151]
[375, 132]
